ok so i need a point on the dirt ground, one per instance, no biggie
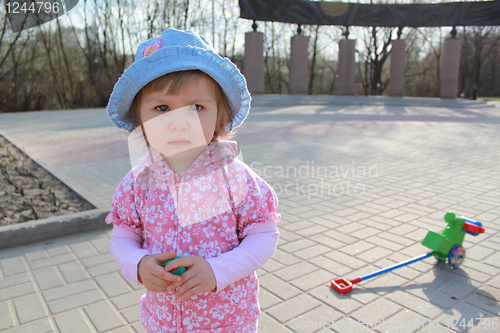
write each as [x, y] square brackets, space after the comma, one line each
[28, 192]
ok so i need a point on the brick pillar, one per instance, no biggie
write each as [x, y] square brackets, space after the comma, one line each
[347, 67]
[254, 62]
[398, 57]
[449, 72]
[299, 69]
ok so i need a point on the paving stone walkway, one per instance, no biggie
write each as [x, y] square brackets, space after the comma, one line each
[359, 187]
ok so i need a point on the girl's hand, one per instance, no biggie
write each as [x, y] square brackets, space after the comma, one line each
[198, 278]
[152, 272]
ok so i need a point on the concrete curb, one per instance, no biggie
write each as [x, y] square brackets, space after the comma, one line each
[52, 227]
[269, 100]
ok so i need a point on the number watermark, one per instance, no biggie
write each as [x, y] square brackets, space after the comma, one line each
[392, 325]
[26, 14]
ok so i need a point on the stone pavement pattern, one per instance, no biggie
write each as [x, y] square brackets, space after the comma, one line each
[359, 187]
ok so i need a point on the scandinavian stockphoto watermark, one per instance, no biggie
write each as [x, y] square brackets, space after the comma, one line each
[313, 179]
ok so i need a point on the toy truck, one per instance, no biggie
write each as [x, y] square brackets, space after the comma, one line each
[445, 245]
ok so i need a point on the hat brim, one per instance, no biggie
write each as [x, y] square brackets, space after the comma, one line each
[174, 59]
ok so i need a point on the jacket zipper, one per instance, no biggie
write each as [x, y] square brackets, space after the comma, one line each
[177, 180]
[178, 312]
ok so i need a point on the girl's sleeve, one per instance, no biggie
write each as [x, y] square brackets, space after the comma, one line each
[124, 206]
[257, 229]
[126, 237]
[254, 250]
[260, 201]
[126, 248]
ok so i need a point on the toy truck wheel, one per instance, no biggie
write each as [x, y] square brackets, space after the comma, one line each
[456, 256]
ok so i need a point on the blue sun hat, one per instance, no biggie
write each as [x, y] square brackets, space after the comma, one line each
[174, 51]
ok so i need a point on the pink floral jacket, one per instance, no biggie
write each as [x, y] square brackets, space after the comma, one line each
[203, 211]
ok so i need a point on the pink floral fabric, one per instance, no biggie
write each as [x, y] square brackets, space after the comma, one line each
[204, 211]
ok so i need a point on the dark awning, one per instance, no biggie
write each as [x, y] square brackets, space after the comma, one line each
[368, 15]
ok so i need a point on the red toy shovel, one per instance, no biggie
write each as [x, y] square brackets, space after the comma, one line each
[344, 286]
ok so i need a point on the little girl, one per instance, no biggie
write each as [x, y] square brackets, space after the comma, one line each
[189, 196]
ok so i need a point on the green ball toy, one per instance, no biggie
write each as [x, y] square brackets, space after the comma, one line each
[176, 271]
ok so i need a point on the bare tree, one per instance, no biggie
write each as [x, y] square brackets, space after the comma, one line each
[21, 72]
[230, 28]
[374, 54]
[312, 66]
[478, 45]
[60, 65]
[7, 40]
[8, 64]
[276, 58]
[434, 57]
